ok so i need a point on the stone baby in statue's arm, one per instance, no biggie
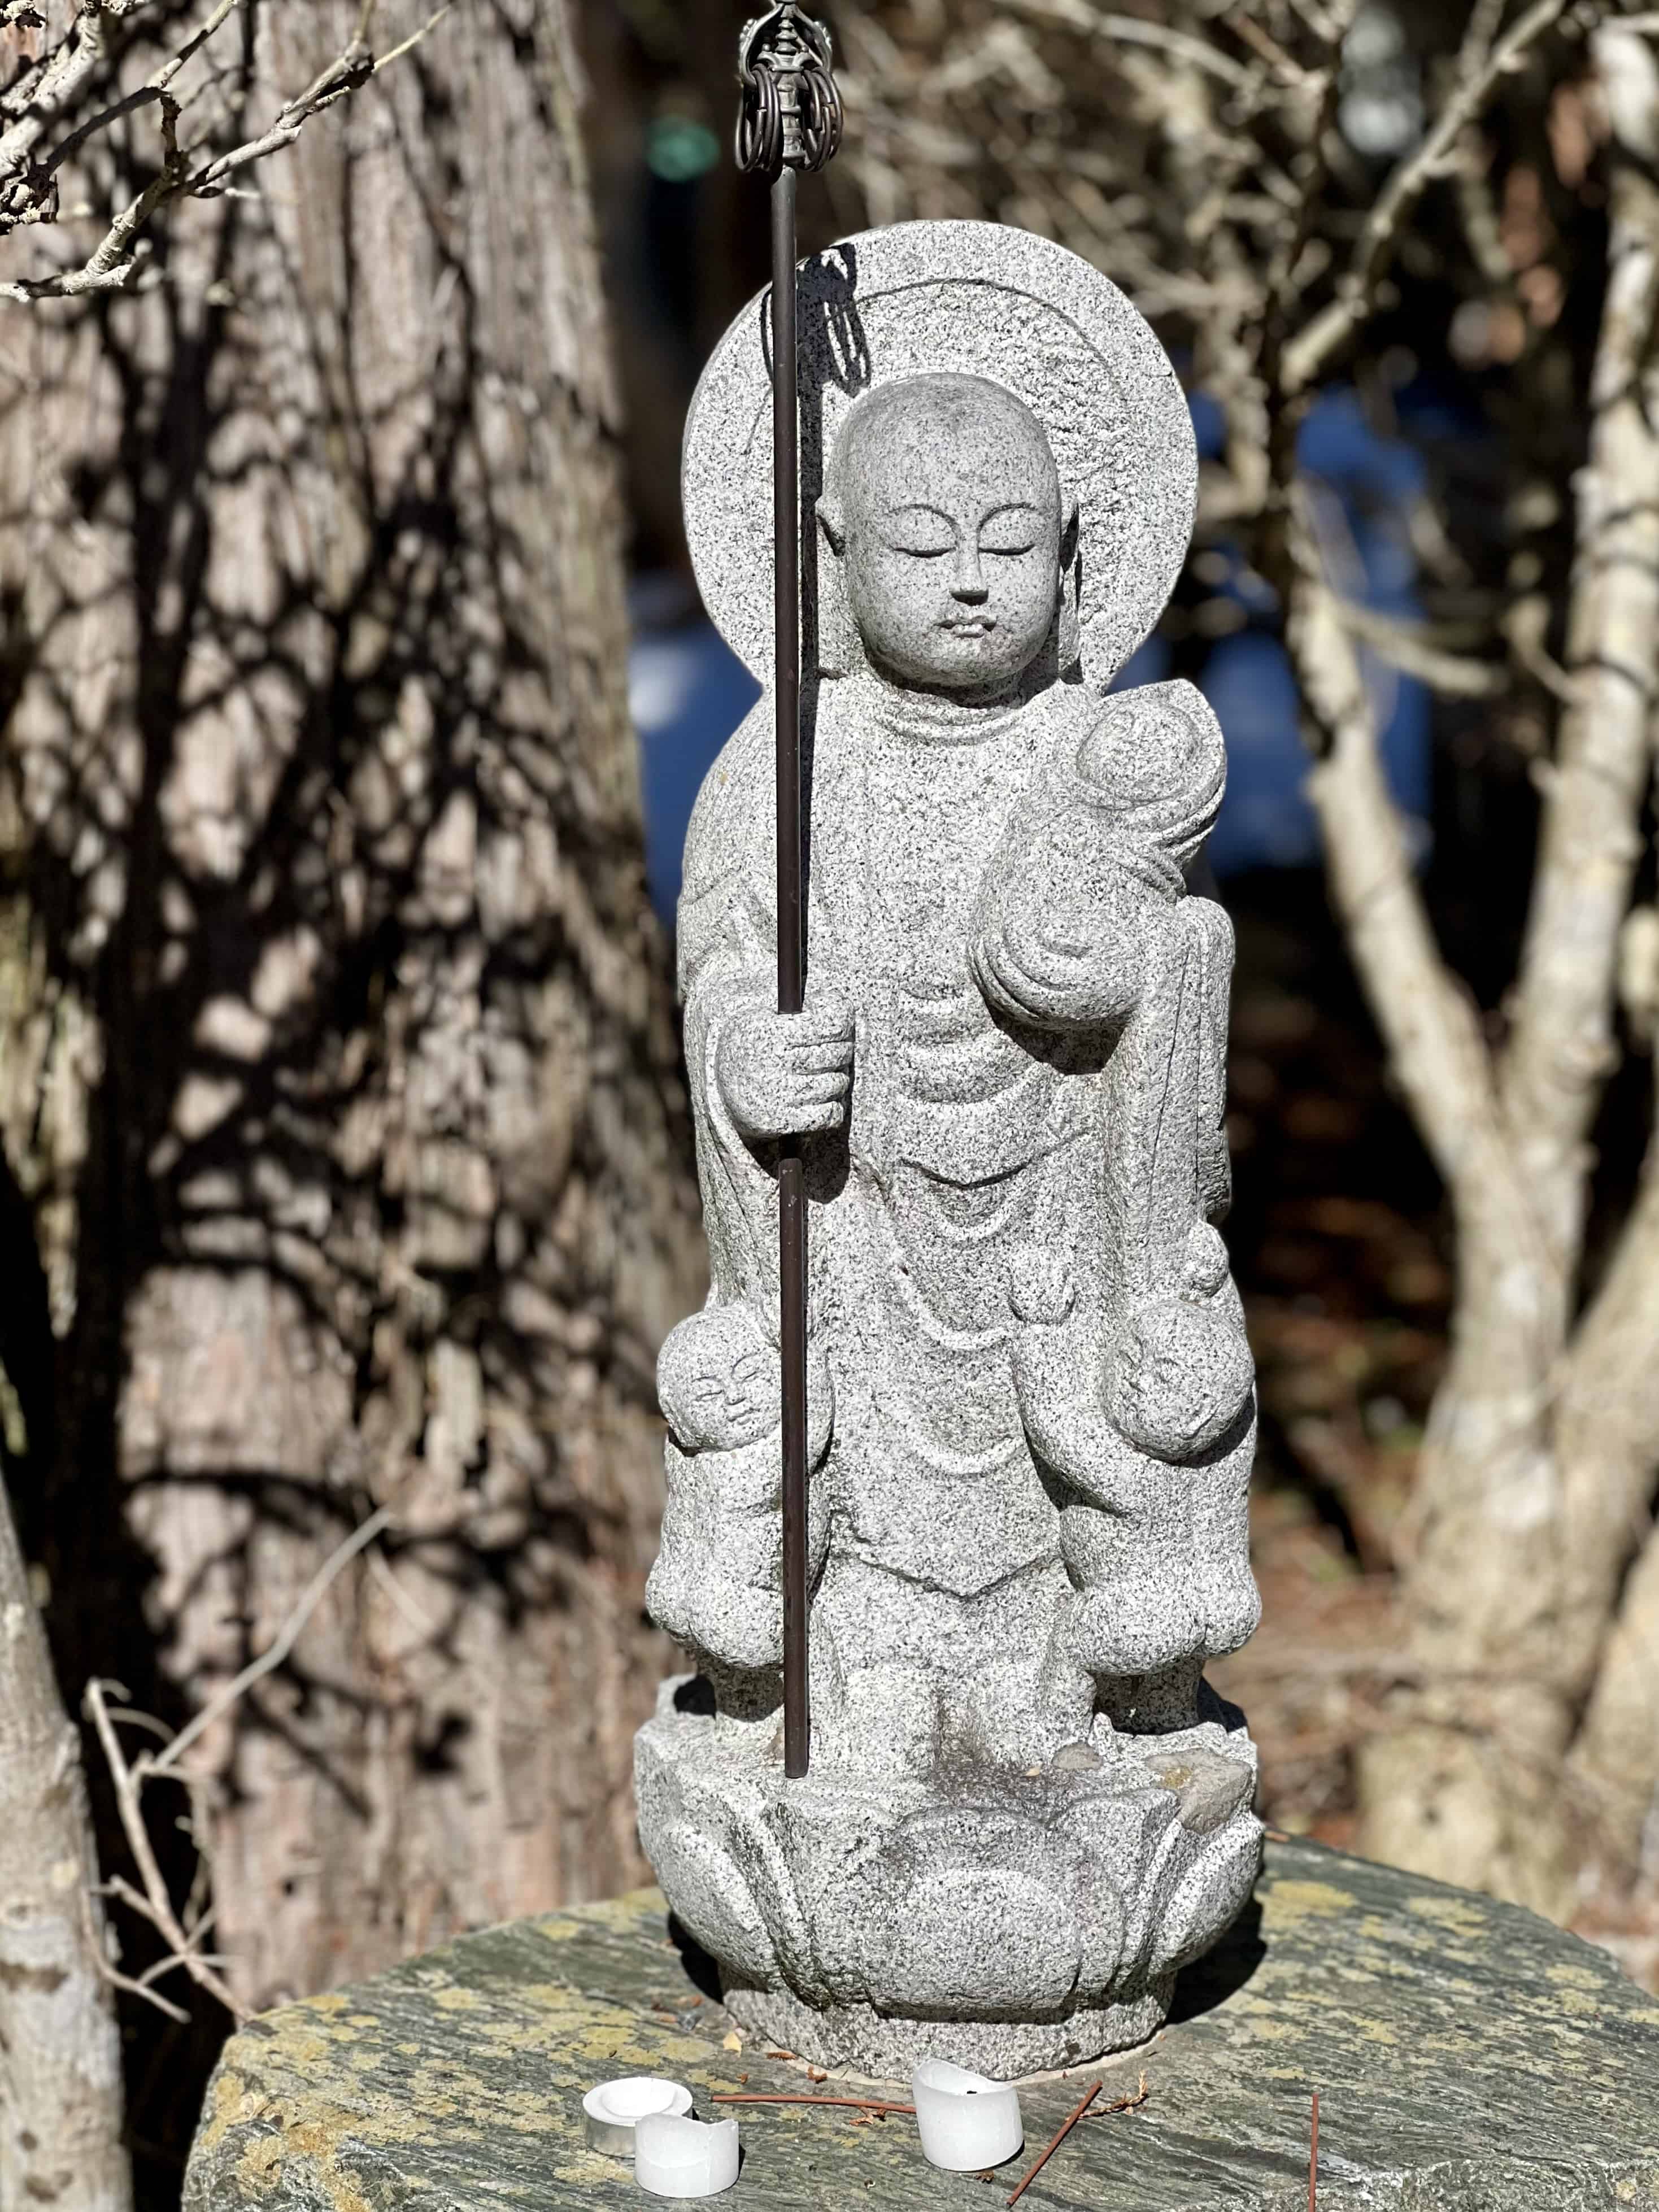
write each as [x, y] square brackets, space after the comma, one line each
[1078, 903]
[717, 1585]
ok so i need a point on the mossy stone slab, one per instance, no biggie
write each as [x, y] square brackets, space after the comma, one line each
[1469, 2057]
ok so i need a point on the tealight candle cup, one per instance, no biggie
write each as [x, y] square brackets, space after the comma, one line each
[679, 2157]
[615, 2109]
[966, 2122]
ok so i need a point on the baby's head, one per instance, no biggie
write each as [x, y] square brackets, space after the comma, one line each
[1182, 1370]
[1159, 774]
[944, 508]
[718, 1381]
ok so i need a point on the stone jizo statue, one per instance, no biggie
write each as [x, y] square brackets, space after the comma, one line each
[1031, 1400]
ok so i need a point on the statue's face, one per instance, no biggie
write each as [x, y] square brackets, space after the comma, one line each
[947, 516]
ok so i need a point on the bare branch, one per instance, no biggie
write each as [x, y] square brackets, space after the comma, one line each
[28, 184]
[1312, 347]
[1135, 31]
[1284, 66]
[386, 60]
[1409, 647]
[155, 1905]
[51, 89]
[136, 1986]
[1431, 1027]
[154, 1902]
[1608, 1434]
[287, 1636]
[1618, 1751]
[193, 44]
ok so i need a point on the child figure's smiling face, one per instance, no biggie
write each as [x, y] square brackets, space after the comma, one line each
[945, 509]
[717, 1381]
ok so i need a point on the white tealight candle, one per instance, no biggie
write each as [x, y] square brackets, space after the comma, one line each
[675, 2157]
[966, 2122]
[615, 2109]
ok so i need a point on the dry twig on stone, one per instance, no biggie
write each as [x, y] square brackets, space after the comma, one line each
[1065, 2128]
[1123, 2103]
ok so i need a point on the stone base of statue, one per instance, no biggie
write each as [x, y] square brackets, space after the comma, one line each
[1011, 1920]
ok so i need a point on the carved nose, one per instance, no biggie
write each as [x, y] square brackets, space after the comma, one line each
[969, 583]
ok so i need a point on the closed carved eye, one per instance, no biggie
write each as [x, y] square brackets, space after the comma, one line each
[1012, 531]
[922, 532]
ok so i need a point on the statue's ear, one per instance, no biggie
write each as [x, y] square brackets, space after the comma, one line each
[1068, 637]
[1068, 527]
[837, 638]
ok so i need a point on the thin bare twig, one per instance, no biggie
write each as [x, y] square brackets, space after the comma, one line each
[1135, 31]
[28, 186]
[153, 1902]
[1064, 2130]
[1308, 352]
[110, 1972]
[413, 39]
[162, 1762]
[1123, 2103]
[1407, 647]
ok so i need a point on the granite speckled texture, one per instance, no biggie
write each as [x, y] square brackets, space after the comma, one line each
[1031, 1404]
[1470, 2058]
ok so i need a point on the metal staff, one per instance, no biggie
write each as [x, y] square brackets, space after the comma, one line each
[790, 120]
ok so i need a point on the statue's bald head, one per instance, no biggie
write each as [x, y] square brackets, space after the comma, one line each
[944, 500]
[934, 420]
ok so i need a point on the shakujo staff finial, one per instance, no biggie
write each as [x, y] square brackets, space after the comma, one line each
[790, 120]
[791, 115]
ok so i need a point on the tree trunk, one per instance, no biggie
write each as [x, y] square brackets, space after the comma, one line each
[346, 1152]
[60, 2050]
[1532, 1494]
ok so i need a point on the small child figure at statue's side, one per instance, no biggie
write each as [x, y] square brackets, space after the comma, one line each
[1152, 1530]
[717, 1585]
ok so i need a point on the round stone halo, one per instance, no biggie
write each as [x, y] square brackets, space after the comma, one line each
[984, 300]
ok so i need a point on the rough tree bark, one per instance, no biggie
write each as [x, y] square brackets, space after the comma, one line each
[337, 1071]
[60, 2050]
